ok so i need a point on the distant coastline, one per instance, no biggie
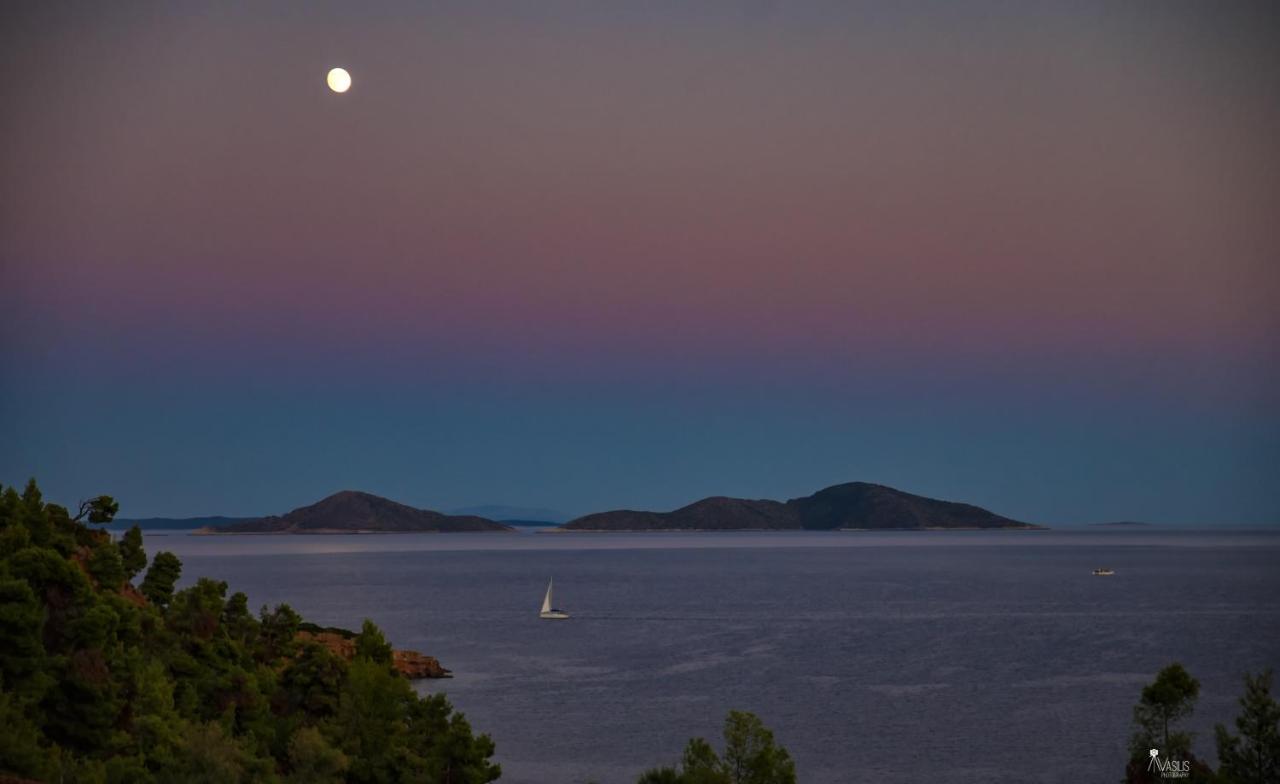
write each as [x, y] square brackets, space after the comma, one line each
[315, 532]
[174, 523]
[1122, 524]
[852, 507]
[913, 529]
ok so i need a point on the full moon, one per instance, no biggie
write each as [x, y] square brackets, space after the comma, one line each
[339, 80]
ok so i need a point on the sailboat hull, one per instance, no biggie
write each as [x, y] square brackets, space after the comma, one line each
[553, 615]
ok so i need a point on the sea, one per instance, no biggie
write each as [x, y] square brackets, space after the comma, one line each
[962, 656]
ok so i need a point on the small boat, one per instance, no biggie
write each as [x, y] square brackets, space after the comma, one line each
[548, 612]
[1103, 572]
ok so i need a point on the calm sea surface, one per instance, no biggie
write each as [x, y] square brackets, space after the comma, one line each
[875, 657]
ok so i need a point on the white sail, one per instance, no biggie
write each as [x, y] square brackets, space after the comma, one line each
[549, 611]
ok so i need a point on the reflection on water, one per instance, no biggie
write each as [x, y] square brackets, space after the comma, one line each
[541, 539]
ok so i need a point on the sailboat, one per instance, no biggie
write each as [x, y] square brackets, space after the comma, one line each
[548, 612]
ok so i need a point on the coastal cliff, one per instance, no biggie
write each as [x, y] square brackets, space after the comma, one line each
[410, 664]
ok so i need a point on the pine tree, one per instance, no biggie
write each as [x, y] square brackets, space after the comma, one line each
[750, 757]
[1165, 701]
[1252, 757]
[372, 645]
[158, 584]
[131, 552]
[107, 568]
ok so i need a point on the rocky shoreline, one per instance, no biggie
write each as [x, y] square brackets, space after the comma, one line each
[410, 664]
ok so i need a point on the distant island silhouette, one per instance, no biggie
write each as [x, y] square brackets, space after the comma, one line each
[1122, 524]
[173, 523]
[855, 505]
[514, 515]
[350, 511]
[850, 506]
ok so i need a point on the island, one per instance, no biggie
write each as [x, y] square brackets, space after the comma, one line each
[173, 523]
[1122, 524]
[849, 506]
[353, 512]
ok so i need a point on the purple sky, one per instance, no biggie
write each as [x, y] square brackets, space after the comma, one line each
[586, 255]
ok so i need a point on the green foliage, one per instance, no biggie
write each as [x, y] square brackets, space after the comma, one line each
[196, 612]
[1167, 700]
[1164, 702]
[21, 752]
[132, 556]
[278, 631]
[312, 683]
[1253, 756]
[445, 748]
[160, 579]
[101, 509]
[209, 756]
[97, 686]
[661, 776]
[107, 568]
[372, 645]
[21, 627]
[370, 715]
[313, 761]
[236, 619]
[750, 757]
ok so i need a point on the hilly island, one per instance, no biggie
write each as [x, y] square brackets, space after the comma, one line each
[854, 505]
[354, 512]
[850, 506]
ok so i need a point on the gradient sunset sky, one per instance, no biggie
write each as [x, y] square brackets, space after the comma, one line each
[594, 255]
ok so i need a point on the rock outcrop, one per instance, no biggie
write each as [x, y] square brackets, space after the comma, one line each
[410, 664]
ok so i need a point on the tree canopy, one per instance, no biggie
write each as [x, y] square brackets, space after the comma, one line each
[750, 756]
[1252, 756]
[1165, 701]
[101, 509]
[103, 683]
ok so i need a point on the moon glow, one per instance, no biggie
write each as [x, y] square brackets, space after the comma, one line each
[339, 80]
